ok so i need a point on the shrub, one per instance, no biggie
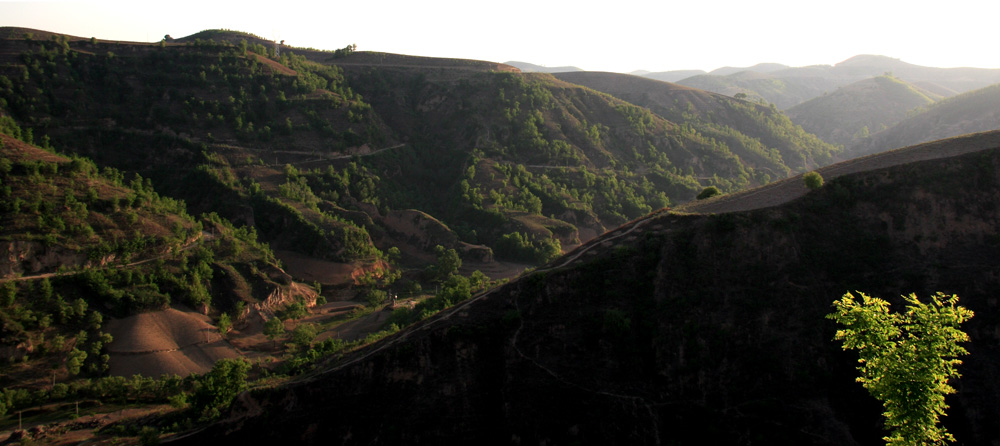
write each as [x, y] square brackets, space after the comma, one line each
[708, 192]
[813, 180]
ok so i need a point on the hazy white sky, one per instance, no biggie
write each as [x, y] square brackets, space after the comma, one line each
[622, 35]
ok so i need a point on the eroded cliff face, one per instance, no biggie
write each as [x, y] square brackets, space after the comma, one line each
[20, 257]
[678, 329]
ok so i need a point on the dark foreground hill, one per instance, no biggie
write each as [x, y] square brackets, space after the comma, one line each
[678, 329]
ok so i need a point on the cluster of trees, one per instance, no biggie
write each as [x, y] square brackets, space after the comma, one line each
[523, 248]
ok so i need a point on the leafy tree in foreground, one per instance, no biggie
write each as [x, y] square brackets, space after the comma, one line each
[906, 359]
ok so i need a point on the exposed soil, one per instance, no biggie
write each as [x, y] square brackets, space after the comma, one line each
[311, 269]
[171, 341]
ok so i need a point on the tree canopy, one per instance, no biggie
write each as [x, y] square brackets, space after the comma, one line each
[906, 359]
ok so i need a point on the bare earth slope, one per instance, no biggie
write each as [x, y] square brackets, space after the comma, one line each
[791, 188]
[172, 341]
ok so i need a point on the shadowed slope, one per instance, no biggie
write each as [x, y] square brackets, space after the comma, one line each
[688, 329]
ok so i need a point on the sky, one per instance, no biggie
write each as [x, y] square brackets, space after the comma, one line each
[620, 35]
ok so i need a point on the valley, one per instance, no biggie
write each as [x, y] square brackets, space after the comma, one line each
[221, 238]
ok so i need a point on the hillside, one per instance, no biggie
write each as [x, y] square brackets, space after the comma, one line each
[339, 156]
[758, 68]
[671, 76]
[689, 327]
[974, 111]
[590, 160]
[199, 119]
[857, 110]
[83, 251]
[792, 86]
[750, 130]
[783, 91]
[532, 68]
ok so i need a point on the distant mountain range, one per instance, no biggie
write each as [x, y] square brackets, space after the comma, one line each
[792, 86]
[787, 86]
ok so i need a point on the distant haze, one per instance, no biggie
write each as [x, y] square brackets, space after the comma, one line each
[631, 35]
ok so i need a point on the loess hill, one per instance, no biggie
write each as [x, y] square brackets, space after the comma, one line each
[857, 110]
[679, 328]
[340, 155]
[973, 111]
[83, 251]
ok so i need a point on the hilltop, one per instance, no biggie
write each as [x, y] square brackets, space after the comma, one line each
[792, 86]
[762, 136]
[340, 156]
[662, 327]
[974, 111]
[857, 110]
[532, 68]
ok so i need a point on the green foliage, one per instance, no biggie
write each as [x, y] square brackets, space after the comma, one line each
[148, 435]
[218, 387]
[519, 247]
[906, 359]
[448, 262]
[708, 192]
[295, 310]
[375, 298]
[813, 180]
[304, 334]
[74, 360]
[224, 323]
[273, 328]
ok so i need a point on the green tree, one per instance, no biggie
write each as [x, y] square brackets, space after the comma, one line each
[216, 390]
[273, 328]
[304, 334]
[708, 192]
[813, 180]
[8, 293]
[448, 262]
[224, 323]
[393, 255]
[74, 360]
[906, 359]
[296, 310]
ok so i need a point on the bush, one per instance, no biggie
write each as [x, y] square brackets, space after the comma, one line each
[148, 435]
[813, 180]
[708, 192]
[219, 386]
[376, 297]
